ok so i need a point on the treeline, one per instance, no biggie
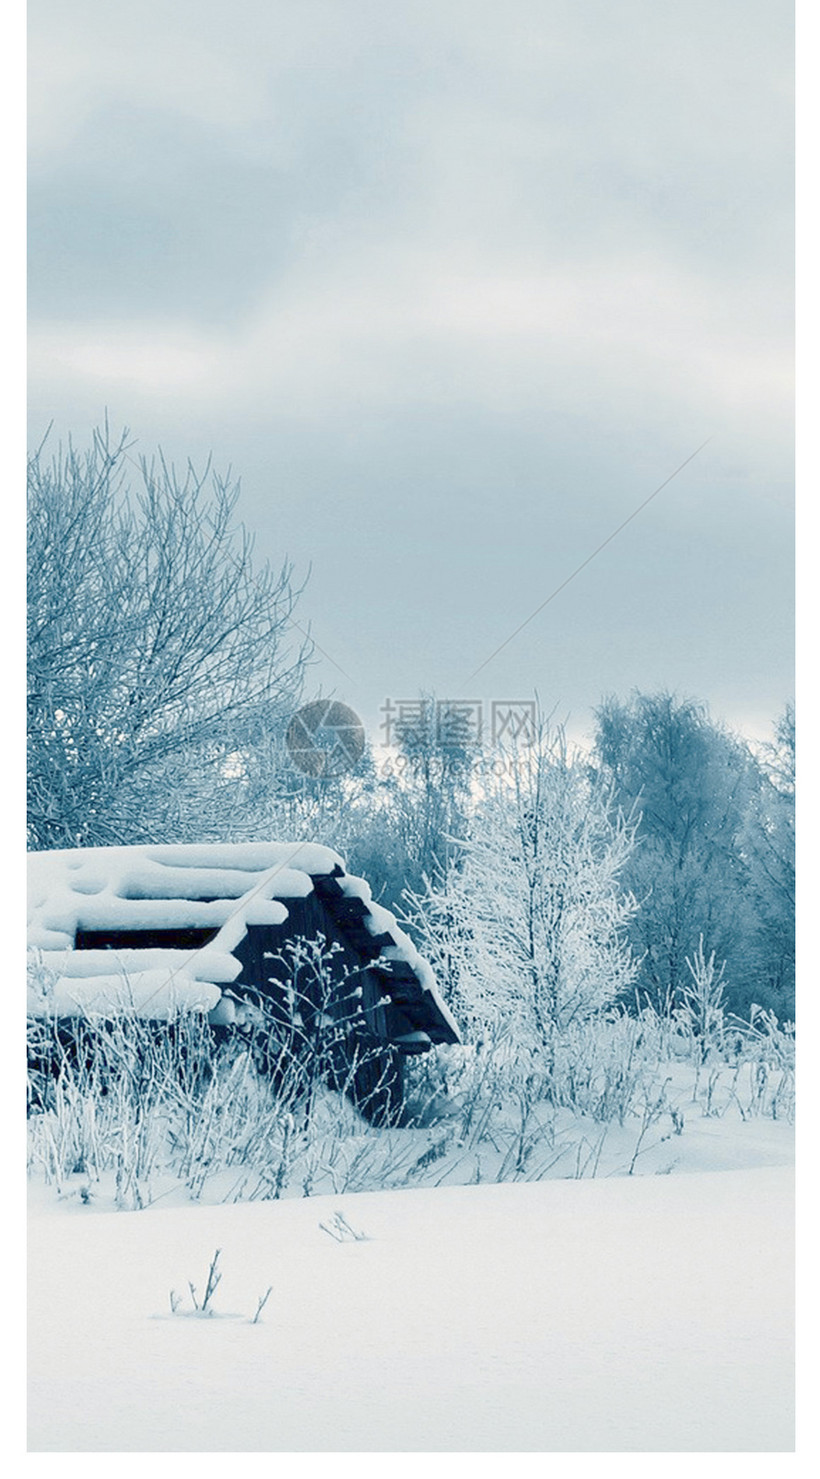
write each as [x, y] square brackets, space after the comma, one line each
[670, 834]
[546, 882]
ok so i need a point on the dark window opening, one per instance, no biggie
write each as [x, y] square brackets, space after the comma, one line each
[144, 939]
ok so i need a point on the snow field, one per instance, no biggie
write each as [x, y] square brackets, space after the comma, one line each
[649, 1314]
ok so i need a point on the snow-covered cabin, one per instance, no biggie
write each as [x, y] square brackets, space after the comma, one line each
[211, 928]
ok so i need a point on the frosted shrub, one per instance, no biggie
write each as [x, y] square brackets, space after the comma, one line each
[765, 1049]
[701, 1013]
[106, 1094]
[465, 1083]
[767, 1040]
[139, 1108]
[437, 1083]
[602, 1066]
[135, 1101]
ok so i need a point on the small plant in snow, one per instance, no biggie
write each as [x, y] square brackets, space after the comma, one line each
[214, 1278]
[338, 1228]
[205, 1308]
[653, 1109]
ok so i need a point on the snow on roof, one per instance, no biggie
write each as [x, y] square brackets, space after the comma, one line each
[158, 994]
[380, 921]
[167, 887]
[218, 886]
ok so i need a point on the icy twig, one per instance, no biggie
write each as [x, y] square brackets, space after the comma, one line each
[263, 1299]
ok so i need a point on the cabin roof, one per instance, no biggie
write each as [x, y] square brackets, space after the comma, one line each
[216, 888]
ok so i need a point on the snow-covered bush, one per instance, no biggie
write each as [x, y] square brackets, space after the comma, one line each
[135, 1114]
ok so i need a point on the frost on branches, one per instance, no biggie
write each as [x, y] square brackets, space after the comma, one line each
[528, 933]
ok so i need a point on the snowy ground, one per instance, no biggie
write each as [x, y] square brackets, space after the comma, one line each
[647, 1313]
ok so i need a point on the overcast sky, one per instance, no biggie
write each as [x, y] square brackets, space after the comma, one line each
[453, 286]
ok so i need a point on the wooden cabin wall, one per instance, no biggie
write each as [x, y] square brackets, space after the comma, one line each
[366, 1062]
[309, 918]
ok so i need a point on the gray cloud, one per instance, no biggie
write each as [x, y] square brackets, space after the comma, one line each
[453, 285]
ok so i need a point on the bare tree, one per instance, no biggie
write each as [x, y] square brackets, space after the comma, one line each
[156, 650]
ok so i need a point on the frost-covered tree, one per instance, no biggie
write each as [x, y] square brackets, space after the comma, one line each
[715, 852]
[768, 846]
[402, 828]
[529, 931]
[157, 652]
[692, 782]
